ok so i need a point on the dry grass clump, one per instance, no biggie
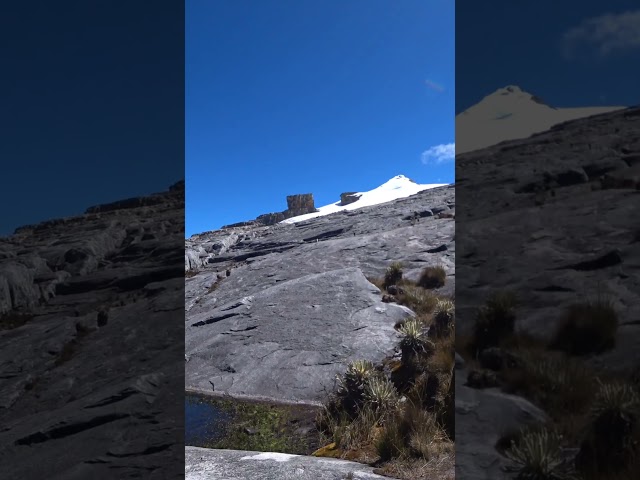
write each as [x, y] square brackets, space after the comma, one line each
[433, 277]
[417, 299]
[587, 328]
[495, 320]
[393, 275]
[559, 385]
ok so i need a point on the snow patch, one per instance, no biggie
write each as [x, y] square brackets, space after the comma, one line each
[509, 114]
[278, 457]
[398, 187]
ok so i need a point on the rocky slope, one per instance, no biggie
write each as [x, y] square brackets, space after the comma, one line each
[278, 311]
[238, 465]
[91, 328]
[554, 219]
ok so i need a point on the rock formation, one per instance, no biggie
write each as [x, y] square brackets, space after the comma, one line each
[348, 198]
[550, 218]
[91, 324]
[296, 205]
[299, 205]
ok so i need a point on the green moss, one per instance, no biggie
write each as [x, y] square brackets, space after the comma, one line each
[264, 427]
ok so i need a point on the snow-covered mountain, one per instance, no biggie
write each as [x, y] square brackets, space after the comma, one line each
[398, 187]
[511, 113]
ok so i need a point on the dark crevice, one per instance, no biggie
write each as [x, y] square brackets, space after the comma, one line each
[68, 430]
[246, 329]
[609, 260]
[554, 288]
[113, 399]
[148, 451]
[214, 320]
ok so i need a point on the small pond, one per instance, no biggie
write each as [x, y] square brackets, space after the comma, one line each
[205, 422]
[213, 422]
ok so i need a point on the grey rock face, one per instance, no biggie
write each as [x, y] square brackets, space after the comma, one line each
[86, 394]
[201, 463]
[300, 204]
[482, 418]
[552, 249]
[536, 218]
[297, 306]
[290, 340]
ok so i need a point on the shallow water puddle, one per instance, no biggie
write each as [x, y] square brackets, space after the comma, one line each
[249, 425]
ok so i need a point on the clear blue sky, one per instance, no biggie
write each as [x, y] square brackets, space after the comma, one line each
[567, 53]
[307, 96]
[92, 105]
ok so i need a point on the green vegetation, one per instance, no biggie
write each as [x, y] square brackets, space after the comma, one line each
[265, 427]
[537, 455]
[400, 414]
[596, 412]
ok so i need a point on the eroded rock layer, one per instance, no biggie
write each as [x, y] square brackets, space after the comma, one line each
[91, 328]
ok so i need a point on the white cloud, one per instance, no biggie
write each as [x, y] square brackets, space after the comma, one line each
[605, 33]
[434, 85]
[439, 154]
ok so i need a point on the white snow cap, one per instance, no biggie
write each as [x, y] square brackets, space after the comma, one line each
[510, 113]
[398, 187]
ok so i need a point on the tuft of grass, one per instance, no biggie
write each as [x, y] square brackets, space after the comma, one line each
[393, 275]
[560, 385]
[380, 394]
[618, 398]
[352, 384]
[417, 299]
[495, 321]
[411, 432]
[392, 441]
[414, 340]
[443, 318]
[611, 441]
[538, 456]
[587, 328]
[360, 431]
[191, 273]
[433, 277]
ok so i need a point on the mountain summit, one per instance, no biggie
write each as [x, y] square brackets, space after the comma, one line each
[395, 188]
[510, 113]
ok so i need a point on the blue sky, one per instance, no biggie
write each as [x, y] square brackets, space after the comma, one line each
[306, 96]
[92, 105]
[569, 54]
